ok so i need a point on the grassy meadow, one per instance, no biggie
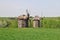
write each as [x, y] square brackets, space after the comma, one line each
[8, 22]
[49, 29]
[46, 22]
[29, 34]
[51, 22]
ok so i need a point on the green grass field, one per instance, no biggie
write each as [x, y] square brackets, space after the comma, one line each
[49, 30]
[46, 22]
[51, 22]
[29, 34]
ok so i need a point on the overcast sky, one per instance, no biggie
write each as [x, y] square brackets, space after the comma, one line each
[35, 7]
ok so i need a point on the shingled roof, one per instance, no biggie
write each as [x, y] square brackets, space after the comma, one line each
[22, 17]
[36, 18]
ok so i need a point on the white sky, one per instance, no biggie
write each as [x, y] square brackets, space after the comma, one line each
[36, 7]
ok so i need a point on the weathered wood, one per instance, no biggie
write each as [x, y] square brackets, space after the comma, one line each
[36, 22]
[23, 21]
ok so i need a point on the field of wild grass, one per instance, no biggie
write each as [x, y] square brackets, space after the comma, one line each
[49, 29]
[51, 22]
[29, 34]
[8, 22]
[46, 22]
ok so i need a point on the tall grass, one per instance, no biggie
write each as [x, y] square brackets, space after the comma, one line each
[46, 22]
[51, 22]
